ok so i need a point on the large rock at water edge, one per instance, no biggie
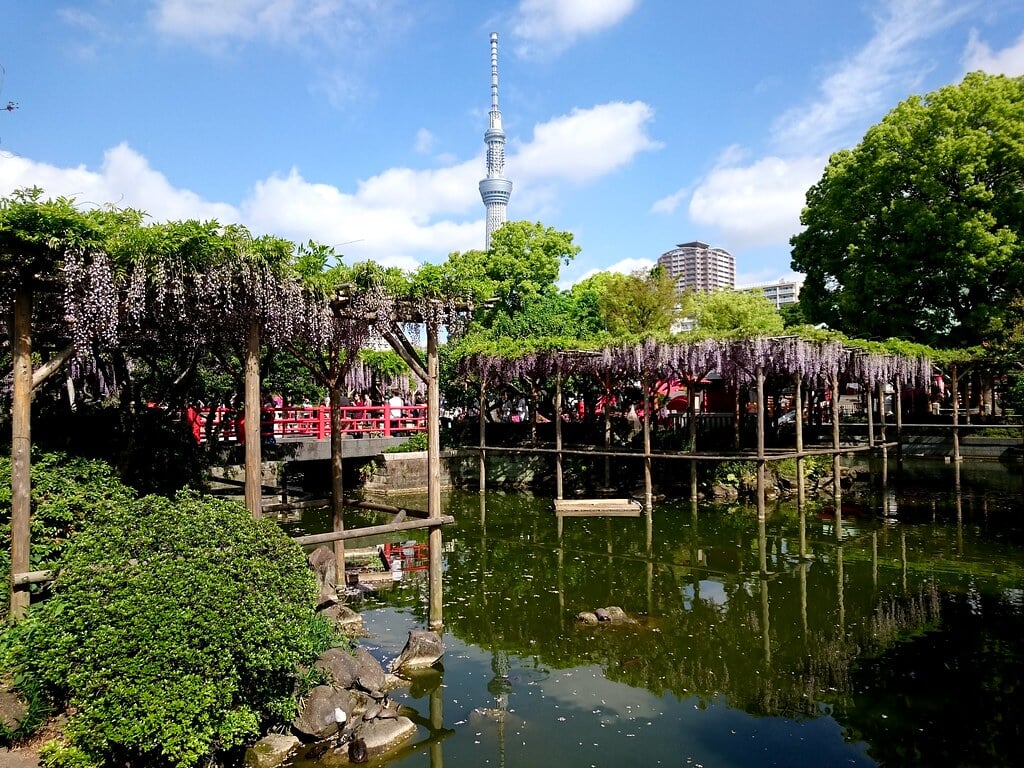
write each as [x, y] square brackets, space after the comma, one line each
[423, 649]
[324, 713]
[270, 751]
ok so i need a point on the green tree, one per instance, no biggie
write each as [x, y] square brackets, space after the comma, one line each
[918, 232]
[736, 312]
[524, 260]
[643, 302]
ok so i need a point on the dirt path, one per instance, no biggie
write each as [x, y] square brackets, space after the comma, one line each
[23, 757]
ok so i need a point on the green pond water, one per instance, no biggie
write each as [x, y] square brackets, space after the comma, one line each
[898, 640]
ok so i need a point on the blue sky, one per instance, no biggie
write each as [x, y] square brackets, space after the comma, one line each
[633, 124]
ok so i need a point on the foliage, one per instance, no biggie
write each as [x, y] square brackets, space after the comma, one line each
[174, 631]
[736, 312]
[417, 442]
[65, 492]
[924, 218]
[643, 302]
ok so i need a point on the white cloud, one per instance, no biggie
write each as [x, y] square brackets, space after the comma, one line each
[1009, 61]
[553, 25]
[424, 141]
[624, 267]
[125, 179]
[758, 203]
[586, 144]
[399, 217]
[670, 203]
[277, 21]
[880, 73]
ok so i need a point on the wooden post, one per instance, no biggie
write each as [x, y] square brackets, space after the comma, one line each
[337, 480]
[956, 416]
[648, 418]
[837, 488]
[798, 403]
[558, 431]
[898, 408]
[435, 619]
[691, 392]
[483, 433]
[21, 450]
[871, 416]
[253, 405]
[761, 511]
[881, 410]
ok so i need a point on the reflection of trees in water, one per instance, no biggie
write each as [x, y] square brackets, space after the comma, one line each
[514, 587]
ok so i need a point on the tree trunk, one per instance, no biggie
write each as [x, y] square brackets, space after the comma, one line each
[21, 450]
[253, 403]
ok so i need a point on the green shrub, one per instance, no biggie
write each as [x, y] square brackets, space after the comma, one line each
[175, 631]
[417, 442]
[65, 491]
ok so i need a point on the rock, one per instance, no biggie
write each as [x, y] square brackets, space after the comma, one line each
[382, 735]
[323, 712]
[270, 751]
[586, 617]
[13, 709]
[370, 674]
[617, 616]
[424, 648]
[349, 621]
[325, 566]
[341, 666]
[722, 492]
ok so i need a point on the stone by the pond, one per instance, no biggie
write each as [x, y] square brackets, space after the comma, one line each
[613, 614]
[13, 709]
[270, 751]
[340, 665]
[325, 566]
[385, 734]
[369, 673]
[349, 621]
[423, 649]
[318, 718]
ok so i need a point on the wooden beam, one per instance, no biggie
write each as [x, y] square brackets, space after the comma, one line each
[374, 530]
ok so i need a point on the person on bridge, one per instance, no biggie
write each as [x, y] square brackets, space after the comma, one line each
[396, 403]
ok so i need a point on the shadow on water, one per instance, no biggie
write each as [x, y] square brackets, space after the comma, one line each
[897, 642]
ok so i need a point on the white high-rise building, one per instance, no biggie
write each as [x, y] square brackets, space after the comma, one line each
[495, 189]
[700, 267]
[780, 293]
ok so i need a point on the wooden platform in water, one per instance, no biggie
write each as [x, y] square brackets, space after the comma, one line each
[598, 508]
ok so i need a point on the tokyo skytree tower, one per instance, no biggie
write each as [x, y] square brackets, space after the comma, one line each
[495, 189]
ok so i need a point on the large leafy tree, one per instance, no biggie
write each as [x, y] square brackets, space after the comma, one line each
[643, 302]
[736, 313]
[918, 232]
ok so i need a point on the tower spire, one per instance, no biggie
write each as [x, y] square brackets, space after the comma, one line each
[495, 189]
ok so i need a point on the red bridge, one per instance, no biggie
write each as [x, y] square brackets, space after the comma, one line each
[311, 423]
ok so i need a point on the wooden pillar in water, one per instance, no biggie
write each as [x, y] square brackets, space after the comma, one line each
[871, 415]
[691, 394]
[837, 487]
[483, 433]
[898, 408]
[435, 619]
[558, 431]
[759, 375]
[648, 418]
[956, 416]
[253, 409]
[801, 488]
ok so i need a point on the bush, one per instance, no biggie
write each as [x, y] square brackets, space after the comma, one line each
[174, 632]
[65, 491]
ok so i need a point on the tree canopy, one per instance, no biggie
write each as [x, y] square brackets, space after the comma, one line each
[918, 231]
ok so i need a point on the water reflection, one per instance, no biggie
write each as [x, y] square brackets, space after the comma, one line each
[885, 632]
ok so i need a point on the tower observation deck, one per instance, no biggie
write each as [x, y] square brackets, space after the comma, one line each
[495, 189]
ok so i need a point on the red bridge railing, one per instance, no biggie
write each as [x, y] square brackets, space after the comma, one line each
[314, 422]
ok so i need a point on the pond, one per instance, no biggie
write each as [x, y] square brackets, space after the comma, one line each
[897, 640]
